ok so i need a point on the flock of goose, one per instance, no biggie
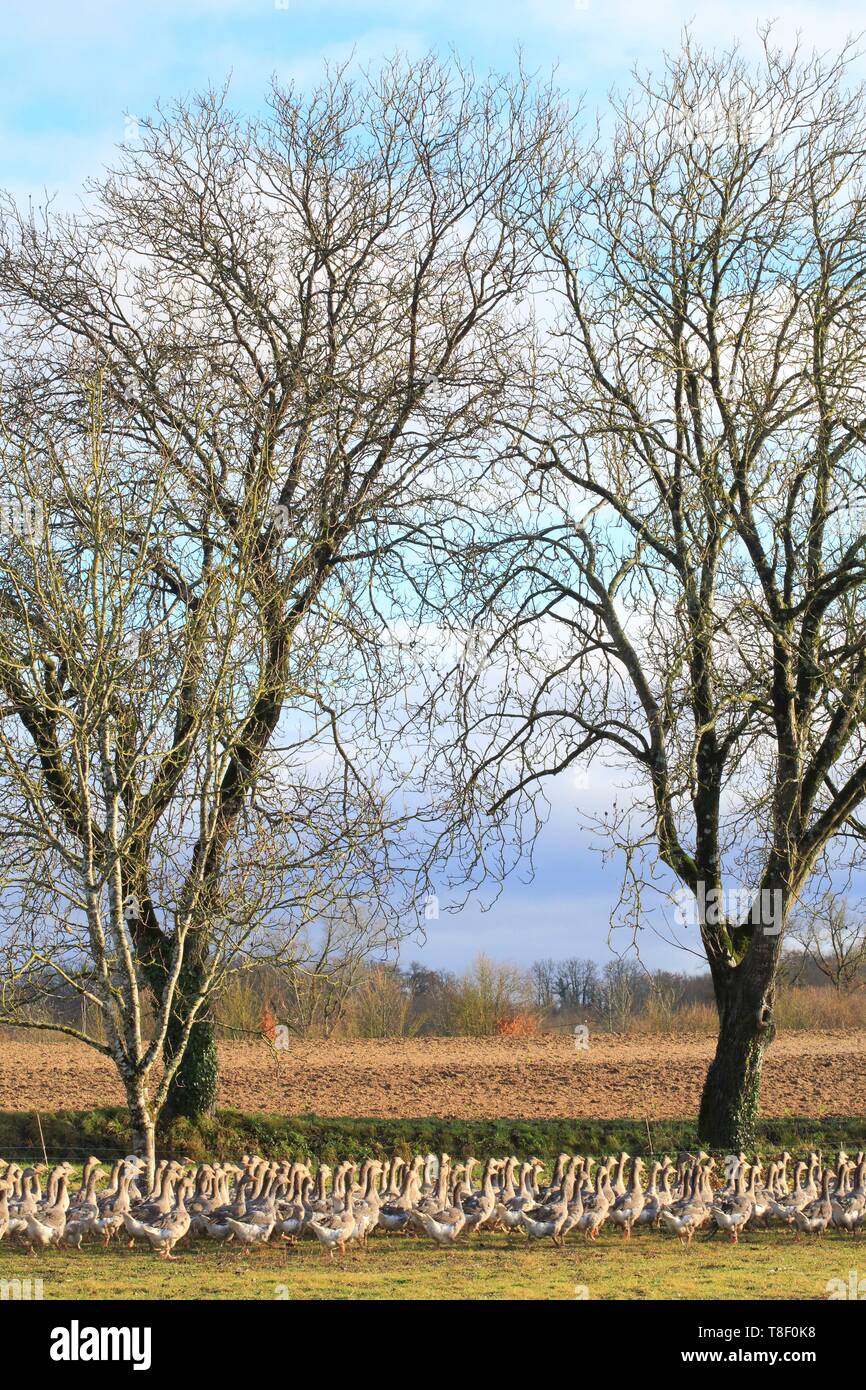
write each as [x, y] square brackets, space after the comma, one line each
[257, 1200]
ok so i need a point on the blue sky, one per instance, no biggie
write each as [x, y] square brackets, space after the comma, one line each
[75, 71]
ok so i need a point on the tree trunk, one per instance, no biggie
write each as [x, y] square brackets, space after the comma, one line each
[729, 1103]
[143, 1129]
[193, 1088]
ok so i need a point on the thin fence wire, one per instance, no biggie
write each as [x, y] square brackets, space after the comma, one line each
[26, 1153]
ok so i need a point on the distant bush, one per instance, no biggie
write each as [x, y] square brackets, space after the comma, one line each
[687, 1018]
[817, 1006]
[488, 994]
[240, 1007]
[380, 1007]
[518, 1026]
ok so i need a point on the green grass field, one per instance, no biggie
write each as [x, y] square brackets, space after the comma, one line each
[766, 1265]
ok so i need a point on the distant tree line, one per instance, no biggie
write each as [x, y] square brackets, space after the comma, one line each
[360, 997]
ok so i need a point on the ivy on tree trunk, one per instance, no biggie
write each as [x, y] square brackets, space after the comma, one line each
[729, 1101]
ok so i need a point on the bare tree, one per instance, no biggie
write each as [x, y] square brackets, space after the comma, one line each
[674, 577]
[833, 940]
[306, 315]
[623, 983]
[577, 983]
[320, 985]
[125, 700]
[543, 974]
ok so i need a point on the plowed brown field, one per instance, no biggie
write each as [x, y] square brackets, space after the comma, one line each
[465, 1078]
